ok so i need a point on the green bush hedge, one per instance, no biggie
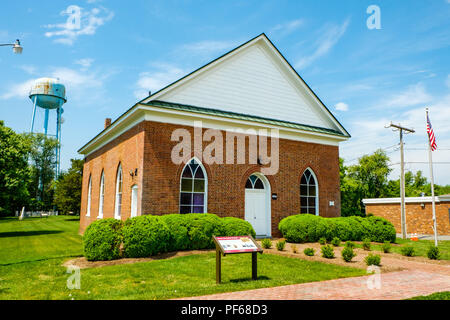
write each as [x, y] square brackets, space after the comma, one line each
[102, 239]
[145, 236]
[148, 235]
[237, 227]
[310, 228]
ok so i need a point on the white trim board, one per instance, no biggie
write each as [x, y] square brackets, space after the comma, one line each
[158, 114]
[407, 200]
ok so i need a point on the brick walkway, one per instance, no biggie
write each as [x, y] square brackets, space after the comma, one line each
[393, 286]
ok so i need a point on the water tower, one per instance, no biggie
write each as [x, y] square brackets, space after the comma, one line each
[49, 94]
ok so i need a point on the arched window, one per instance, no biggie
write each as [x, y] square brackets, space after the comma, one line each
[193, 188]
[102, 195]
[309, 193]
[118, 203]
[88, 209]
[253, 182]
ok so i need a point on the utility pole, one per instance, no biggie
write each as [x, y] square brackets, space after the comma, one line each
[398, 127]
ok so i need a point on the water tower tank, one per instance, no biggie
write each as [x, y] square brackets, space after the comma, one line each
[48, 93]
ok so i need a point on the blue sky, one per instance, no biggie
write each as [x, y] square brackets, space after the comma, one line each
[124, 49]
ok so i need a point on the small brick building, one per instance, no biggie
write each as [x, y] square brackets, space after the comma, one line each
[130, 169]
[419, 214]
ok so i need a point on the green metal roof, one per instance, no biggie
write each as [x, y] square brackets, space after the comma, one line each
[240, 116]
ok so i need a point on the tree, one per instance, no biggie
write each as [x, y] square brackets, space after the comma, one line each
[14, 171]
[42, 158]
[367, 179]
[67, 196]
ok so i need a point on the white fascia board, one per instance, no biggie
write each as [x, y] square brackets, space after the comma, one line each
[398, 200]
[141, 112]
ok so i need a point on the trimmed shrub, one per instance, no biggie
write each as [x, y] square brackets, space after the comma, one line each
[266, 243]
[348, 254]
[408, 251]
[145, 236]
[386, 247]
[323, 241]
[366, 244]
[350, 244]
[102, 239]
[336, 241]
[373, 259]
[195, 230]
[300, 228]
[310, 228]
[309, 252]
[237, 227]
[280, 245]
[433, 253]
[327, 251]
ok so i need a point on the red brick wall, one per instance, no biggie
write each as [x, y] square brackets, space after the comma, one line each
[226, 182]
[418, 220]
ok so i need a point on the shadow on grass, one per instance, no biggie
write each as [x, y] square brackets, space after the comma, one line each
[246, 279]
[72, 219]
[27, 233]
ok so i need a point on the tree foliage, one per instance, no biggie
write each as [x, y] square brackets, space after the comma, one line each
[67, 196]
[14, 170]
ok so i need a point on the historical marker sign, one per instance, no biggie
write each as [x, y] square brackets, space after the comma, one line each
[232, 245]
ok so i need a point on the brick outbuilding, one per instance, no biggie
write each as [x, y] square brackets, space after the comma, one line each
[243, 136]
[419, 214]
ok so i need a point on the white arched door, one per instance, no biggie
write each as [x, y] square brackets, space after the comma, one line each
[257, 204]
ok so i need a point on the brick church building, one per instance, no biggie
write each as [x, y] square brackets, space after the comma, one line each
[129, 167]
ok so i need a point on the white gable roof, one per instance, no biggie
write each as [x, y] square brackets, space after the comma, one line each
[253, 79]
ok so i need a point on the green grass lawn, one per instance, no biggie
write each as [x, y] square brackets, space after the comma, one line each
[420, 247]
[435, 296]
[32, 251]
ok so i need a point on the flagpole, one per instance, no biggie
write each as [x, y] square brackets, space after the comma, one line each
[430, 157]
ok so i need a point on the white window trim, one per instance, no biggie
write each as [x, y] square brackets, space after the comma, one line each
[117, 212]
[101, 198]
[134, 186]
[205, 174]
[88, 209]
[317, 189]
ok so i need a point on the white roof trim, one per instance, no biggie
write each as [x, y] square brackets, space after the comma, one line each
[407, 200]
[141, 112]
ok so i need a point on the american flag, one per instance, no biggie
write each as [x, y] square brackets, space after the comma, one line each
[431, 135]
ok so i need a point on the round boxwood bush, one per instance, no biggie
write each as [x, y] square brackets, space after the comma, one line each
[145, 236]
[301, 228]
[236, 227]
[381, 229]
[178, 225]
[102, 239]
[201, 228]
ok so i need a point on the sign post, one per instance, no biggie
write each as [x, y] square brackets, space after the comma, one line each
[237, 244]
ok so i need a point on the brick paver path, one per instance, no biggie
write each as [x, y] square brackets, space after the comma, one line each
[394, 285]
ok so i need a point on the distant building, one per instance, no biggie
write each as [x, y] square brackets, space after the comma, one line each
[419, 215]
[129, 170]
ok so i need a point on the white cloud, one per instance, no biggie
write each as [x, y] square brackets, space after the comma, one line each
[206, 48]
[28, 69]
[78, 83]
[85, 62]
[162, 75]
[89, 21]
[284, 29]
[412, 96]
[341, 106]
[330, 35]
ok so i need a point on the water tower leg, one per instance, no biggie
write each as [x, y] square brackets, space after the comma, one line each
[46, 121]
[34, 114]
[58, 137]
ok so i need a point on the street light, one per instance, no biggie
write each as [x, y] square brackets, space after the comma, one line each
[17, 48]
